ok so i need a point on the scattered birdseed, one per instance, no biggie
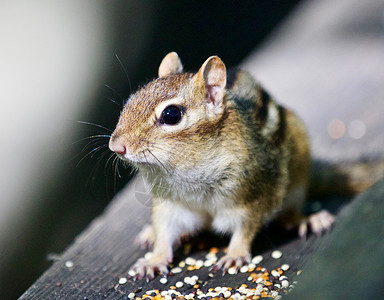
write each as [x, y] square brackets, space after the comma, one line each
[257, 259]
[275, 273]
[244, 269]
[285, 267]
[132, 273]
[276, 254]
[299, 272]
[190, 261]
[263, 284]
[208, 263]
[199, 263]
[69, 264]
[176, 270]
[182, 264]
[285, 283]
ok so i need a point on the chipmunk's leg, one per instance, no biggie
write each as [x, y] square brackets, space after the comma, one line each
[169, 221]
[243, 223]
[292, 216]
[146, 237]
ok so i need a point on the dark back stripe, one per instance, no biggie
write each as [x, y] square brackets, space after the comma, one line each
[232, 77]
[279, 135]
[262, 113]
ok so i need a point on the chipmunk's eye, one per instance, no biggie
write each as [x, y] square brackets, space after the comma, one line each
[171, 115]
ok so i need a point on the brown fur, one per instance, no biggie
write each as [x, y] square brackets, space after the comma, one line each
[232, 160]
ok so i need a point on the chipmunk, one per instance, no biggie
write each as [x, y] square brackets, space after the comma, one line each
[219, 153]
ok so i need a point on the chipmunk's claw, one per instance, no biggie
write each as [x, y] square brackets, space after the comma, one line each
[319, 223]
[227, 261]
[145, 268]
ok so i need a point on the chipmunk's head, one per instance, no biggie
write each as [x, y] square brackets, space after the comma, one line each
[168, 121]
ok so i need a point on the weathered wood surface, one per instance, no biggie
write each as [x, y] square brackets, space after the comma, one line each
[104, 252]
[349, 264]
[326, 63]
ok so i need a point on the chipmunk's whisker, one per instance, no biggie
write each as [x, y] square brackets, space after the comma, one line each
[96, 125]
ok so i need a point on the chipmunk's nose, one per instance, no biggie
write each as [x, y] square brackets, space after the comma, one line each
[117, 146]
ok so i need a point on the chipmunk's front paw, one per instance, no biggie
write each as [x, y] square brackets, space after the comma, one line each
[146, 237]
[148, 268]
[319, 222]
[228, 260]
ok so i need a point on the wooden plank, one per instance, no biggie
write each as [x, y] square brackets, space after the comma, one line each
[92, 266]
[349, 264]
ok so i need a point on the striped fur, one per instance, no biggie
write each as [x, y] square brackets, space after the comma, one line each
[229, 163]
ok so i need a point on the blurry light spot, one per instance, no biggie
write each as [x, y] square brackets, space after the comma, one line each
[336, 129]
[356, 129]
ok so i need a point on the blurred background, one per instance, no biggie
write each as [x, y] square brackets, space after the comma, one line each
[59, 65]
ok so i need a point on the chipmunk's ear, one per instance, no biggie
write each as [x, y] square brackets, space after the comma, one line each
[171, 64]
[214, 75]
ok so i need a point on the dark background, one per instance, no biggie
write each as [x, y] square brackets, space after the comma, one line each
[196, 30]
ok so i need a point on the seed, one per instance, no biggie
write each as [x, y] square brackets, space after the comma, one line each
[182, 264]
[257, 259]
[274, 293]
[232, 271]
[179, 284]
[227, 294]
[276, 254]
[123, 280]
[285, 267]
[163, 280]
[190, 261]
[275, 273]
[199, 263]
[244, 269]
[131, 295]
[284, 283]
[132, 273]
[176, 270]
[268, 283]
[69, 264]
[208, 263]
